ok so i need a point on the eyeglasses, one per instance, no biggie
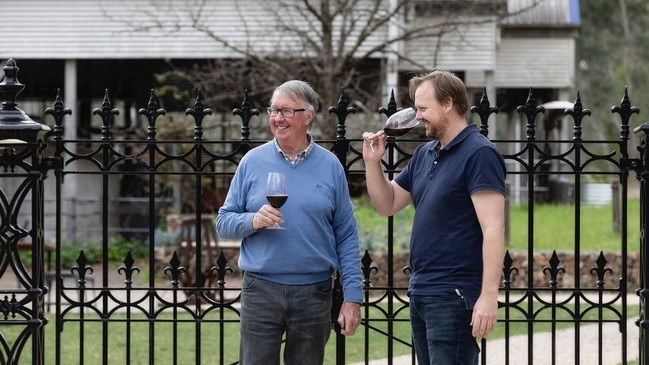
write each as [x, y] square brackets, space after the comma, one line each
[286, 113]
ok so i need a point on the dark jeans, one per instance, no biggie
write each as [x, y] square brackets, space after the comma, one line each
[270, 310]
[441, 331]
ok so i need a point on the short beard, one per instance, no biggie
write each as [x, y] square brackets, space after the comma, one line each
[434, 132]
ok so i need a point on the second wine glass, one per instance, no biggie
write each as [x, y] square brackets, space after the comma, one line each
[276, 192]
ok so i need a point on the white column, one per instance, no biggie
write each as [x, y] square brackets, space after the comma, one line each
[393, 51]
[69, 95]
[70, 123]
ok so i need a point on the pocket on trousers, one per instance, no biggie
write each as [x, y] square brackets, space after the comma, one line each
[323, 287]
[248, 281]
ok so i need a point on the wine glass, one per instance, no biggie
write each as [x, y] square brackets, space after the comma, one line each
[398, 124]
[276, 192]
[401, 122]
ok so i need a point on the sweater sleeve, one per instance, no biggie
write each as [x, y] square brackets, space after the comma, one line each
[347, 245]
[233, 221]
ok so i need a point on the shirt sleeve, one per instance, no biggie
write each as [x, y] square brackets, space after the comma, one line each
[487, 172]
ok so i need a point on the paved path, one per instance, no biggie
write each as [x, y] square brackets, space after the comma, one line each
[565, 348]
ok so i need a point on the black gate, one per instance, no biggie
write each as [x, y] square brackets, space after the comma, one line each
[180, 303]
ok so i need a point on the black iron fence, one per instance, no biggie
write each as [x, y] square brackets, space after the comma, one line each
[180, 303]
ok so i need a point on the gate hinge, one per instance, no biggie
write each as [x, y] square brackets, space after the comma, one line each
[634, 164]
[51, 163]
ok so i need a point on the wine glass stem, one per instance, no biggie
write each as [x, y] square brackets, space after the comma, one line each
[370, 143]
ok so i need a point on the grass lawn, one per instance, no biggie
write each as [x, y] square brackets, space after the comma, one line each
[554, 227]
[136, 345]
[131, 339]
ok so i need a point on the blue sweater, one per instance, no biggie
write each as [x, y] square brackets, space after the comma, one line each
[321, 233]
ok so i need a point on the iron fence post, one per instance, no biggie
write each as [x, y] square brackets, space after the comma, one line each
[340, 148]
[643, 290]
[21, 157]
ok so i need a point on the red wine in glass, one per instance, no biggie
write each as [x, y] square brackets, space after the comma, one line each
[401, 122]
[397, 132]
[276, 192]
[276, 201]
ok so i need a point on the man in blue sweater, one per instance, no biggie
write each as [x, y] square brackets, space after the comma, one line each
[456, 182]
[287, 282]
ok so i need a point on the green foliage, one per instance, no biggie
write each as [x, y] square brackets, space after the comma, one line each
[118, 247]
[609, 59]
[116, 250]
[373, 228]
[70, 253]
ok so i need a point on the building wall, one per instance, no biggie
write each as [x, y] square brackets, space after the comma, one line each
[471, 46]
[519, 59]
[141, 29]
[167, 29]
[71, 30]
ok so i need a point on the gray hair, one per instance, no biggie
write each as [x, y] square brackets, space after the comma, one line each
[300, 90]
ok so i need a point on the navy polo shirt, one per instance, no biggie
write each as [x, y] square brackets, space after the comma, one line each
[446, 239]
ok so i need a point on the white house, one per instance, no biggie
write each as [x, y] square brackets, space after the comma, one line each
[82, 45]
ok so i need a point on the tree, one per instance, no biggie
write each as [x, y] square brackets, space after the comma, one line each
[333, 44]
[610, 51]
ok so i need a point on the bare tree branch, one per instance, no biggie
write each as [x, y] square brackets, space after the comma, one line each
[329, 43]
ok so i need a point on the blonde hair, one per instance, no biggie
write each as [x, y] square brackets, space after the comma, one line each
[446, 85]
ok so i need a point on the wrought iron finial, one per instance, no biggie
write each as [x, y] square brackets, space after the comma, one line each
[82, 269]
[152, 112]
[58, 112]
[577, 112]
[245, 113]
[625, 110]
[199, 111]
[128, 269]
[175, 269]
[221, 269]
[508, 270]
[341, 110]
[554, 270]
[484, 110]
[531, 111]
[601, 269]
[106, 113]
[392, 106]
[367, 269]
